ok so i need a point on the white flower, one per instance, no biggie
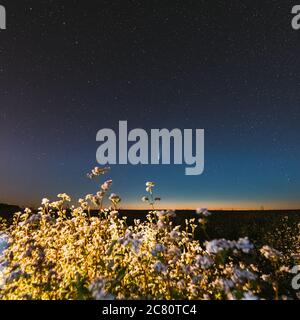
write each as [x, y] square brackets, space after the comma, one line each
[285, 269]
[203, 211]
[165, 214]
[97, 172]
[45, 201]
[204, 261]
[64, 197]
[201, 221]
[239, 274]
[97, 289]
[216, 246]
[244, 245]
[171, 213]
[83, 203]
[174, 251]
[158, 248]
[3, 242]
[106, 185]
[114, 198]
[100, 194]
[33, 218]
[226, 284]
[132, 239]
[150, 184]
[159, 267]
[249, 296]
[27, 211]
[89, 197]
[114, 214]
[3, 245]
[270, 253]
[161, 224]
[174, 234]
[266, 277]
[180, 285]
[160, 214]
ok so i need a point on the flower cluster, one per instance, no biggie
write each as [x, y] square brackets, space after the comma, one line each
[62, 252]
[150, 199]
[97, 172]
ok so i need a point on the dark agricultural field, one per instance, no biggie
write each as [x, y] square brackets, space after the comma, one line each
[274, 227]
[260, 227]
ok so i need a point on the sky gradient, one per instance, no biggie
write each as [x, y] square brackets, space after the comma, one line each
[71, 68]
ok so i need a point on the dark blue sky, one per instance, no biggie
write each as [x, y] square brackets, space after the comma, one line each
[70, 68]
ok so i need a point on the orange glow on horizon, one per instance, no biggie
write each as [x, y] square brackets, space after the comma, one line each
[228, 205]
[215, 205]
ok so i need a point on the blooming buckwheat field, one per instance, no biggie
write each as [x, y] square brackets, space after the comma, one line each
[63, 252]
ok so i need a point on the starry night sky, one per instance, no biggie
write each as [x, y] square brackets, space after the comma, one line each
[70, 68]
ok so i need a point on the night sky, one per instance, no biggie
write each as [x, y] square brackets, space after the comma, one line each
[71, 68]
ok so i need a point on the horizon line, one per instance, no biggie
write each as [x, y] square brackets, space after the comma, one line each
[137, 208]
